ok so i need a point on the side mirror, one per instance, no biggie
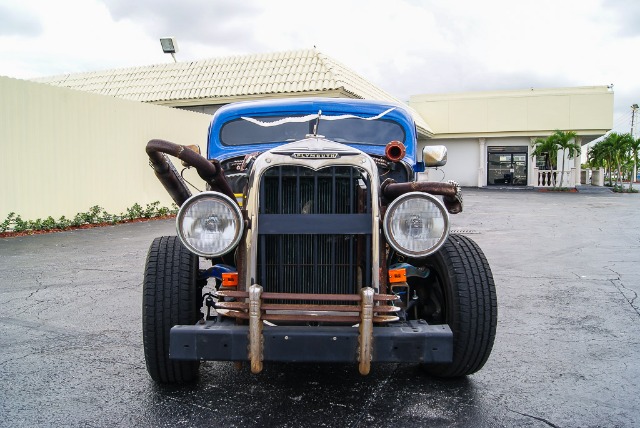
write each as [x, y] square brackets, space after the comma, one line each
[434, 156]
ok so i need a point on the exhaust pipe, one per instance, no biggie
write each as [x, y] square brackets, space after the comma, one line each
[169, 177]
[452, 196]
[395, 151]
[211, 172]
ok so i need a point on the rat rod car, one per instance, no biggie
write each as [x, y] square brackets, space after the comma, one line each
[314, 242]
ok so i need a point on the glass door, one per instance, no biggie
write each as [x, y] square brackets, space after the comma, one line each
[506, 167]
[519, 164]
[500, 170]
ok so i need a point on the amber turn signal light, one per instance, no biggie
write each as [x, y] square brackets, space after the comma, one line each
[230, 279]
[397, 275]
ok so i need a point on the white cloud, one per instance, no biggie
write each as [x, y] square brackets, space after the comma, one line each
[405, 46]
[77, 35]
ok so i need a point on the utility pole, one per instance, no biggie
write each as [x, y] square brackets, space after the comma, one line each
[634, 108]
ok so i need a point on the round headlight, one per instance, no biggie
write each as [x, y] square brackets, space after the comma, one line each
[416, 224]
[209, 224]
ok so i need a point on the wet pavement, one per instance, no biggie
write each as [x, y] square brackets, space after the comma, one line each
[567, 271]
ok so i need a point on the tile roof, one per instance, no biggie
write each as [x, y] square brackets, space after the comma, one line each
[219, 80]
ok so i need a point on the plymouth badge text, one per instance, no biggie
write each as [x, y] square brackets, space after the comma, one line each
[315, 155]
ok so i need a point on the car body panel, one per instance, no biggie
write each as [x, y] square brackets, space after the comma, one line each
[307, 106]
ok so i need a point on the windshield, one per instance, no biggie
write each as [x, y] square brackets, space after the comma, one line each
[351, 130]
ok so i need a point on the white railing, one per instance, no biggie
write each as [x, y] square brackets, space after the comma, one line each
[551, 178]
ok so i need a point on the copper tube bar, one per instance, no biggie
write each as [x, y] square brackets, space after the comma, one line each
[305, 296]
[256, 341]
[314, 308]
[365, 338]
[351, 319]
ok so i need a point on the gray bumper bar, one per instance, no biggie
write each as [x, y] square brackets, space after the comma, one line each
[411, 342]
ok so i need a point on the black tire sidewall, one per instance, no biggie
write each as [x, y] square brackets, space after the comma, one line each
[470, 304]
[169, 298]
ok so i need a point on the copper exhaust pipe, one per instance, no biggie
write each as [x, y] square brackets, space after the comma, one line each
[452, 196]
[395, 151]
[169, 177]
[211, 172]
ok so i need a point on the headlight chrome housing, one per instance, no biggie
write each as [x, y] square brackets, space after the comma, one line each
[416, 224]
[210, 224]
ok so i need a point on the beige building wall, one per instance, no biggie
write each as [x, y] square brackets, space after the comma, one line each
[64, 151]
[470, 124]
[586, 110]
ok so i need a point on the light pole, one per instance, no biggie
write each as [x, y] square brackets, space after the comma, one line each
[634, 108]
[169, 45]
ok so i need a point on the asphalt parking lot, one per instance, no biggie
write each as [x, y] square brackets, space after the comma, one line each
[567, 271]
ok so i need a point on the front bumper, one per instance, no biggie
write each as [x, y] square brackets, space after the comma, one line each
[409, 342]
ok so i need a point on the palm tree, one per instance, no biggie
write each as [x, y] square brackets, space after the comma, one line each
[619, 146]
[565, 141]
[626, 162]
[595, 156]
[549, 147]
[599, 156]
[545, 147]
[603, 153]
[634, 146]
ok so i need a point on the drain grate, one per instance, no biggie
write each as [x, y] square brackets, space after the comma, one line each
[465, 231]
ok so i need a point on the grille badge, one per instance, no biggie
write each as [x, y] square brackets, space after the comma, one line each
[315, 155]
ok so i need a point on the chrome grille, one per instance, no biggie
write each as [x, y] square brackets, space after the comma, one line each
[314, 263]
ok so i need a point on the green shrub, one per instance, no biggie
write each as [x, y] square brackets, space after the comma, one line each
[4, 226]
[63, 223]
[20, 225]
[134, 212]
[151, 210]
[95, 215]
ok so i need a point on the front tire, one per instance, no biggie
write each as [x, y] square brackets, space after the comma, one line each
[169, 298]
[460, 292]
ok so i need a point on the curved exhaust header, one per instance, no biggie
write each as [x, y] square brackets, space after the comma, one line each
[209, 171]
[451, 193]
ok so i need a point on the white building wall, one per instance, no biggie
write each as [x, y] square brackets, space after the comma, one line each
[463, 159]
[467, 159]
[64, 151]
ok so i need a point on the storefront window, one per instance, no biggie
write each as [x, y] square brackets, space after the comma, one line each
[507, 166]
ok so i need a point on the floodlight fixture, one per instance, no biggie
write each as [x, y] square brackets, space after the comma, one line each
[170, 46]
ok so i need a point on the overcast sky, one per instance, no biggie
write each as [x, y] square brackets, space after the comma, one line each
[404, 46]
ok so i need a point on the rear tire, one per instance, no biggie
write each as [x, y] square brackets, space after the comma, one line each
[169, 298]
[460, 291]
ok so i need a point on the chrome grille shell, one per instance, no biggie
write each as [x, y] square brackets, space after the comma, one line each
[314, 154]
